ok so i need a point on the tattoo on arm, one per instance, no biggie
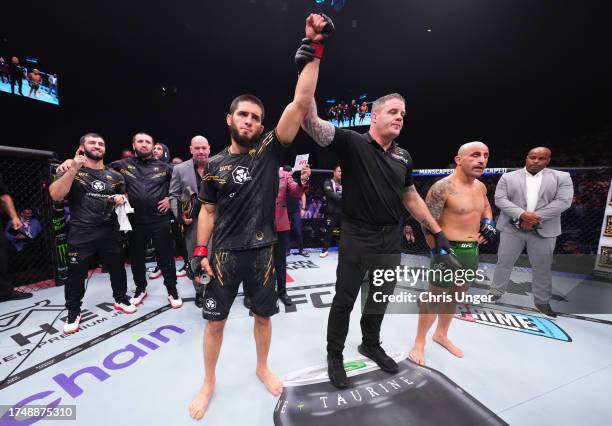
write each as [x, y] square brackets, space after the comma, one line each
[435, 200]
[321, 131]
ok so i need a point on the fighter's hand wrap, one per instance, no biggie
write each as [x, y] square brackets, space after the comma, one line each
[194, 266]
[310, 49]
[327, 31]
[443, 254]
[487, 230]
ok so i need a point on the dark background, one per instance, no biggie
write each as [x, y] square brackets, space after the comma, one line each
[512, 73]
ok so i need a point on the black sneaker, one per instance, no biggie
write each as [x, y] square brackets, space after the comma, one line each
[546, 310]
[335, 371]
[379, 356]
[199, 300]
[14, 295]
[494, 297]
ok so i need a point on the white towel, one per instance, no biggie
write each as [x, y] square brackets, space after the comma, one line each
[122, 212]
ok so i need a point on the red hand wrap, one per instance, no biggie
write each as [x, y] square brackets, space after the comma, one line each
[319, 48]
[200, 251]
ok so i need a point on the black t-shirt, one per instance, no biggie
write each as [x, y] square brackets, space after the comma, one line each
[244, 188]
[88, 197]
[373, 180]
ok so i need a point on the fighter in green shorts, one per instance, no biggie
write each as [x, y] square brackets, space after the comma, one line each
[459, 203]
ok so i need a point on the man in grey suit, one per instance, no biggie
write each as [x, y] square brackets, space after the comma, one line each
[186, 179]
[531, 201]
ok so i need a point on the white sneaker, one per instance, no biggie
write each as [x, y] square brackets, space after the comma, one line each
[72, 322]
[175, 302]
[125, 307]
[323, 254]
[155, 274]
[139, 296]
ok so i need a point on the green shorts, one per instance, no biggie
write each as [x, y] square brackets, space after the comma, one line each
[467, 253]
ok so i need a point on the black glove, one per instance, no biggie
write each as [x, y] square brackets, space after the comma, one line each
[329, 27]
[443, 259]
[304, 54]
[194, 270]
[487, 230]
[443, 254]
[442, 241]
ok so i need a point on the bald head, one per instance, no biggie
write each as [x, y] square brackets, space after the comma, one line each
[537, 159]
[200, 149]
[469, 147]
[471, 159]
[198, 139]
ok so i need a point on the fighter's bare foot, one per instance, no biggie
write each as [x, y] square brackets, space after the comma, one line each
[445, 342]
[270, 381]
[199, 404]
[417, 354]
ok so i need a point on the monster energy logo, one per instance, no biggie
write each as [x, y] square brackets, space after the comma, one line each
[58, 223]
[62, 249]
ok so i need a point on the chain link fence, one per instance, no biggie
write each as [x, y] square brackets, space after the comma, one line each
[581, 223]
[26, 174]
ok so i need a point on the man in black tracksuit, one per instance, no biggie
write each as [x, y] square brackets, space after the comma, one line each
[147, 182]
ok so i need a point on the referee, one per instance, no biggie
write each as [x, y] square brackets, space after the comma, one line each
[93, 191]
[377, 180]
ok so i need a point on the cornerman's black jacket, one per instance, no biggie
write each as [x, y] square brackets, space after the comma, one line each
[146, 182]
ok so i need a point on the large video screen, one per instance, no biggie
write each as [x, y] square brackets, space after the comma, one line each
[352, 113]
[24, 76]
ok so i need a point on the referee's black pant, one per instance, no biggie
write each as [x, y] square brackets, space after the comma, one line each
[362, 247]
[84, 246]
[159, 231]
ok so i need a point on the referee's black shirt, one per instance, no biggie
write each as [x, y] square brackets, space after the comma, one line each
[373, 180]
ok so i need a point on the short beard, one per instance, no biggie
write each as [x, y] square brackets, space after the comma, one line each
[92, 156]
[243, 141]
[144, 156]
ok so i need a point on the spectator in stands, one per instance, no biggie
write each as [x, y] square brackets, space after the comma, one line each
[177, 160]
[287, 187]
[296, 207]
[127, 154]
[7, 292]
[28, 232]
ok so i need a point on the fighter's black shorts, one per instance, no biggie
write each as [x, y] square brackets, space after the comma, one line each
[255, 269]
